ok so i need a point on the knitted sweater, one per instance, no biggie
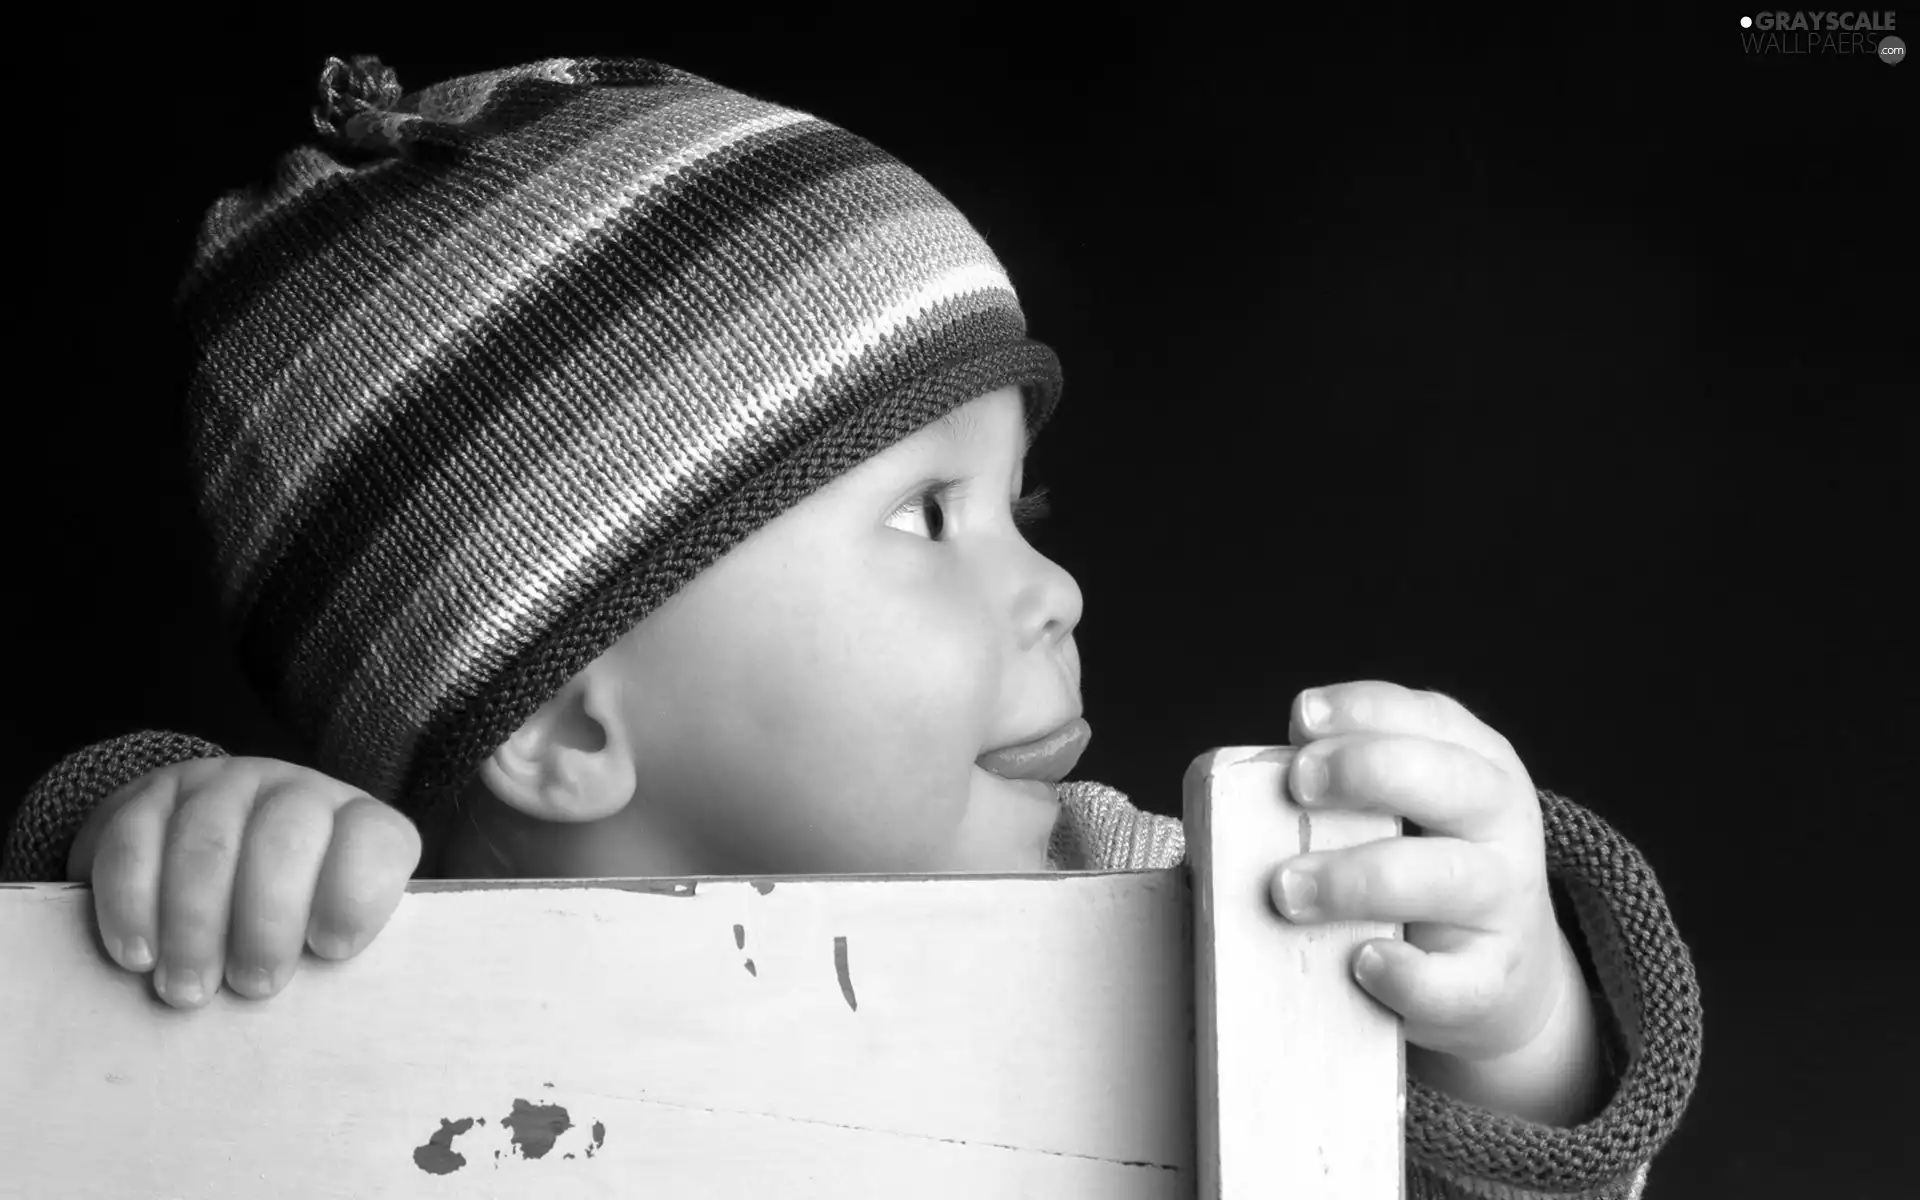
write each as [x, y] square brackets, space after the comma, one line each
[1646, 998]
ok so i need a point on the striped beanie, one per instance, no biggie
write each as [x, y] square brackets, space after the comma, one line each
[491, 371]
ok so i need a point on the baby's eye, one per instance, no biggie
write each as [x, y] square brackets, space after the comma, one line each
[929, 505]
[932, 502]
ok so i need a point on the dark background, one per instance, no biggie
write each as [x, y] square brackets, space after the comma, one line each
[1566, 371]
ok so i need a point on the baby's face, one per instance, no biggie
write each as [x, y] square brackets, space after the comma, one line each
[816, 700]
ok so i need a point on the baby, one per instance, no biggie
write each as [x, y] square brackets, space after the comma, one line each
[618, 475]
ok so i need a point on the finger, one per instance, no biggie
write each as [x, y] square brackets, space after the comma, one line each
[125, 874]
[87, 839]
[196, 886]
[273, 886]
[374, 852]
[1440, 786]
[1375, 706]
[1452, 1003]
[1439, 880]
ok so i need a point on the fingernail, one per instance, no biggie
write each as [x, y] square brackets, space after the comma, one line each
[181, 986]
[1310, 778]
[135, 955]
[1368, 962]
[1300, 890]
[331, 945]
[1314, 710]
[251, 981]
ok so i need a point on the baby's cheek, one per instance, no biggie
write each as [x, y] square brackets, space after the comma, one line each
[956, 668]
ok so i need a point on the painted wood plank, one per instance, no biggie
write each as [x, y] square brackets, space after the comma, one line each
[884, 1035]
[934, 1036]
[1301, 1075]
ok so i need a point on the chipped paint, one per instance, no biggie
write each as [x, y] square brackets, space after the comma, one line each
[739, 937]
[438, 1157]
[840, 969]
[762, 888]
[535, 1126]
[750, 969]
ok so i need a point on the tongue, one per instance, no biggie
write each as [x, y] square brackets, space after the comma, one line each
[1048, 758]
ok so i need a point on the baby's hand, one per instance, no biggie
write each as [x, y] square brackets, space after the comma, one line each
[228, 866]
[1482, 965]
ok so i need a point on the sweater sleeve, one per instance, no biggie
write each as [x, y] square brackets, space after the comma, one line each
[1645, 995]
[1646, 1001]
[58, 804]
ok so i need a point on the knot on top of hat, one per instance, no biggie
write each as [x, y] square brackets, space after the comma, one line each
[356, 98]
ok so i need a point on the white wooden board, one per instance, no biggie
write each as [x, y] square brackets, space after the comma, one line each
[1302, 1076]
[925, 1036]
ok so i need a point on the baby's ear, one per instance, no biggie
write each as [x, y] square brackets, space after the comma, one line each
[572, 761]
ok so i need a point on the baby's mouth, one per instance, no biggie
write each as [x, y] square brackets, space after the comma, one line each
[1047, 758]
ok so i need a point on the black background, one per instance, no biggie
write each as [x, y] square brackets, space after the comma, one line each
[1566, 371]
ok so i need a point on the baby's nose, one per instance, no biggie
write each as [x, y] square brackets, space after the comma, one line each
[1052, 604]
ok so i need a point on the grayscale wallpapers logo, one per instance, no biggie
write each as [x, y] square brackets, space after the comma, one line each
[1789, 33]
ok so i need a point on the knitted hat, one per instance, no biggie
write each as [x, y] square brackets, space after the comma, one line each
[490, 373]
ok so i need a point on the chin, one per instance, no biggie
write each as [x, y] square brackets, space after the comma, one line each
[1013, 823]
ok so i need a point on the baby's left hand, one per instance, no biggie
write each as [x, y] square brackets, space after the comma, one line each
[1479, 972]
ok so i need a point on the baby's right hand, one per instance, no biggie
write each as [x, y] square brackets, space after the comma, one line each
[226, 867]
